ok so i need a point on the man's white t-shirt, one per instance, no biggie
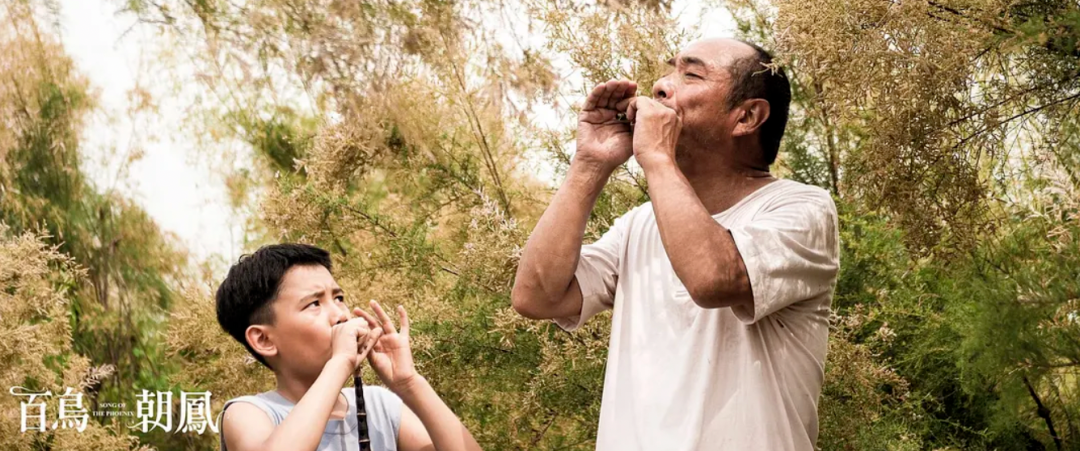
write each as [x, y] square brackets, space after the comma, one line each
[680, 377]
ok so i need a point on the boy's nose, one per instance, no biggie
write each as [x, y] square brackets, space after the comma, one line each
[341, 315]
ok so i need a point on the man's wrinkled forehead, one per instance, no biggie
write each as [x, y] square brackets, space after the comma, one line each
[714, 53]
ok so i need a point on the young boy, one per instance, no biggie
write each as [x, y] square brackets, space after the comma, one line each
[283, 305]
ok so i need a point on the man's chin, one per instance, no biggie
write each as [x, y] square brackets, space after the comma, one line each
[681, 154]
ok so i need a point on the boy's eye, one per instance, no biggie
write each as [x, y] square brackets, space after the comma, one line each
[315, 303]
[340, 298]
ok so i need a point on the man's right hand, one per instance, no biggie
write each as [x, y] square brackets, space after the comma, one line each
[352, 340]
[601, 138]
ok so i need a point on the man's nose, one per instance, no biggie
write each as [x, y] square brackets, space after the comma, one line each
[662, 89]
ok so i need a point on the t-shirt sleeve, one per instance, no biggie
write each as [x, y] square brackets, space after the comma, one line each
[597, 274]
[791, 252]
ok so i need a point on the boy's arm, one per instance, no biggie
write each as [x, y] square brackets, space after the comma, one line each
[303, 427]
[427, 424]
[247, 428]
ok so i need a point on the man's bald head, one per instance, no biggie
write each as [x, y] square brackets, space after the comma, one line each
[727, 50]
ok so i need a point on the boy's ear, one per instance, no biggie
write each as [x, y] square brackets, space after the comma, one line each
[258, 336]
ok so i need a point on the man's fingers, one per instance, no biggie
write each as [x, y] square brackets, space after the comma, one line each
[605, 96]
[627, 90]
[631, 109]
[639, 104]
[387, 324]
[611, 94]
[623, 104]
[594, 98]
[618, 90]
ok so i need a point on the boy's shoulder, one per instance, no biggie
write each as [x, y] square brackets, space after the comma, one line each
[244, 404]
[241, 414]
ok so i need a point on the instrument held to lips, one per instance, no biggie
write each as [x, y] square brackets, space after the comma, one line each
[361, 409]
[361, 413]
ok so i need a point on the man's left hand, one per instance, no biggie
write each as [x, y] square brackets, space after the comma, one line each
[656, 130]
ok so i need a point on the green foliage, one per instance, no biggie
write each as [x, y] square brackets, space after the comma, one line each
[36, 283]
[115, 310]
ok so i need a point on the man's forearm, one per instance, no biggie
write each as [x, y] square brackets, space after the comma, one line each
[702, 252]
[549, 260]
[443, 426]
[303, 427]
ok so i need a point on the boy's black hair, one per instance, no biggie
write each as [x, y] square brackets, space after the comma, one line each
[245, 296]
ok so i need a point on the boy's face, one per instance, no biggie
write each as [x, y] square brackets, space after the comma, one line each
[308, 305]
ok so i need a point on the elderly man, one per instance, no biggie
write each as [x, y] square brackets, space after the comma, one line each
[720, 285]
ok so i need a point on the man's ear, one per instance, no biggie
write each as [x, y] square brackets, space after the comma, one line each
[259, 338]
[754, 114]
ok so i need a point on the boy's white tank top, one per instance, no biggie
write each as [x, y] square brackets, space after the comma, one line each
[383, 417]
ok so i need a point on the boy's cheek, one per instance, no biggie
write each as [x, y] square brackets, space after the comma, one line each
[313, 336]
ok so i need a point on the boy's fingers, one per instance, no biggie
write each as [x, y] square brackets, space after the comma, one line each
[404, 320]
[369, 342]
[372, 322]
[375, 334]
[357, 325]
[387, 324]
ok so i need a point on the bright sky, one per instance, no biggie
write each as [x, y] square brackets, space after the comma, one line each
[182, 195]
[167, 182]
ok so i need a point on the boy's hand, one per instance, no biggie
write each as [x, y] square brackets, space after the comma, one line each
[352, 340]
[391, 357]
